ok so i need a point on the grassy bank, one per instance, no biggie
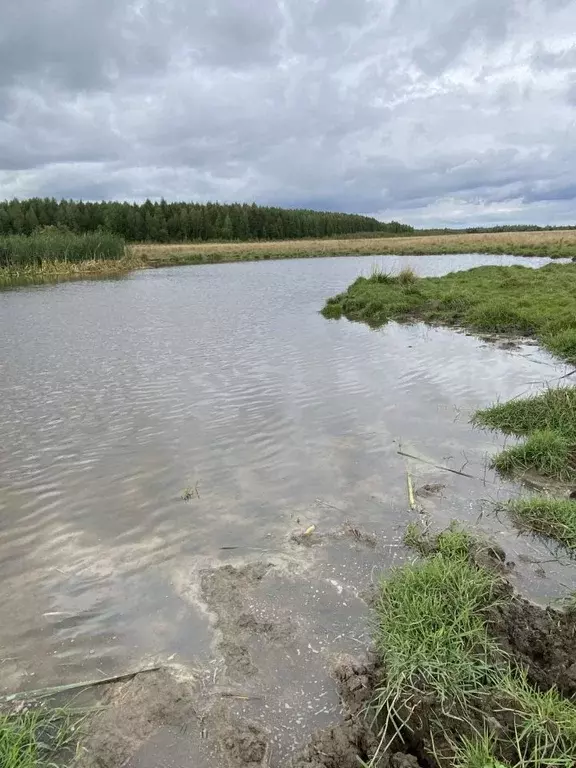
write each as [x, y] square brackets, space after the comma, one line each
[53, 255]
[547, 516]
[55, 271]
[516, 300]
[450, 688]
[28, 258]
[555, 244]
[548, 422]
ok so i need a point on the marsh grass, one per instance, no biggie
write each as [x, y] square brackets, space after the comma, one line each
[445, 675]
[546, 516]
[35, 738]
[548, 422]
[534, 303]
[55, 271]
[20, 251]
[52, 254]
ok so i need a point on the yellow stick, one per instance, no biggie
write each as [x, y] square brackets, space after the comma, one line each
[411, 498]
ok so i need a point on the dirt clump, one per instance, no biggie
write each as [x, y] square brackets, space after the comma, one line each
[338, 747]
[430, 489]
[343, 745]
[133, 711]
[227, 592]
[543, 640]
[245, 745]
[357, 680]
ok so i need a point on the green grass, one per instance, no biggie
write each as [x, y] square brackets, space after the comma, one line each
[431, 634]
[553, 410]
[20, 251]
[446, 681]
[477, 752]
[543, 731]
[546, 452]
[547, 516]
[548, 421]
[36, 738]
[515, 300]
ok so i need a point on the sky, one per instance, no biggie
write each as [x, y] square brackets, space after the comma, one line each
[431, 112]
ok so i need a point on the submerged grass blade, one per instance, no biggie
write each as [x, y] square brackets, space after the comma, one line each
[43, 693]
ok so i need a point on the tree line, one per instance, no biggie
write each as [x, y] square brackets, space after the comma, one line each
[163, 222]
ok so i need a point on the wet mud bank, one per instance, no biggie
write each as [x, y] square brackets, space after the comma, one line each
[234, 713]
[540, 641]
[281, 623]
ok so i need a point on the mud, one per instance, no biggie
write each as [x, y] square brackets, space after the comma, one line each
[133, 711]
[159, 719]
[430, 489]
[225, 591]
[277, 674]
[348, 531]
[542, 640]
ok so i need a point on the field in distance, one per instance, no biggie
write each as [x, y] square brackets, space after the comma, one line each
[554, 244]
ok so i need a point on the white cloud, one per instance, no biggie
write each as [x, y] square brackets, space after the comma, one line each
[460, 112]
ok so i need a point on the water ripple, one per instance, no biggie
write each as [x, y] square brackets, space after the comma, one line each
[225, 379]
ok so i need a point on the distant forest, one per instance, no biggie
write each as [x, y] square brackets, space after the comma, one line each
[181, 222]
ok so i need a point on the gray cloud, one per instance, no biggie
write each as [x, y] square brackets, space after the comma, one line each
[437, 113]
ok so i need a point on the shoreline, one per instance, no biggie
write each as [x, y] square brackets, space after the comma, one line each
[556, 244]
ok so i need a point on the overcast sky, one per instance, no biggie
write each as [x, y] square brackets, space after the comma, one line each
[433, 112]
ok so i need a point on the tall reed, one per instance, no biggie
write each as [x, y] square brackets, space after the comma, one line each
[37, 249]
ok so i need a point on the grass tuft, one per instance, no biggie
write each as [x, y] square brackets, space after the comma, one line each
[543, 731]
[548, 421]
[33, 739]
[446, 684]
[477, 752]
[431, 634]
[547, 452]
[554, 409]
[547, 516]
[406, 276]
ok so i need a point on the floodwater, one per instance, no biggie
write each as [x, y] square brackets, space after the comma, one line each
[226, 381]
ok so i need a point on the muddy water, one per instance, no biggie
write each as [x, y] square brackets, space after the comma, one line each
[225, 380]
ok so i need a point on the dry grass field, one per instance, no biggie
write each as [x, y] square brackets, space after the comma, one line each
[555, 244]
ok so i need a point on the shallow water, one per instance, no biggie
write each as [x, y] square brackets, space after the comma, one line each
[223, 379]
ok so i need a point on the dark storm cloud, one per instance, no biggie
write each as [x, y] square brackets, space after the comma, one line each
[431, 111]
